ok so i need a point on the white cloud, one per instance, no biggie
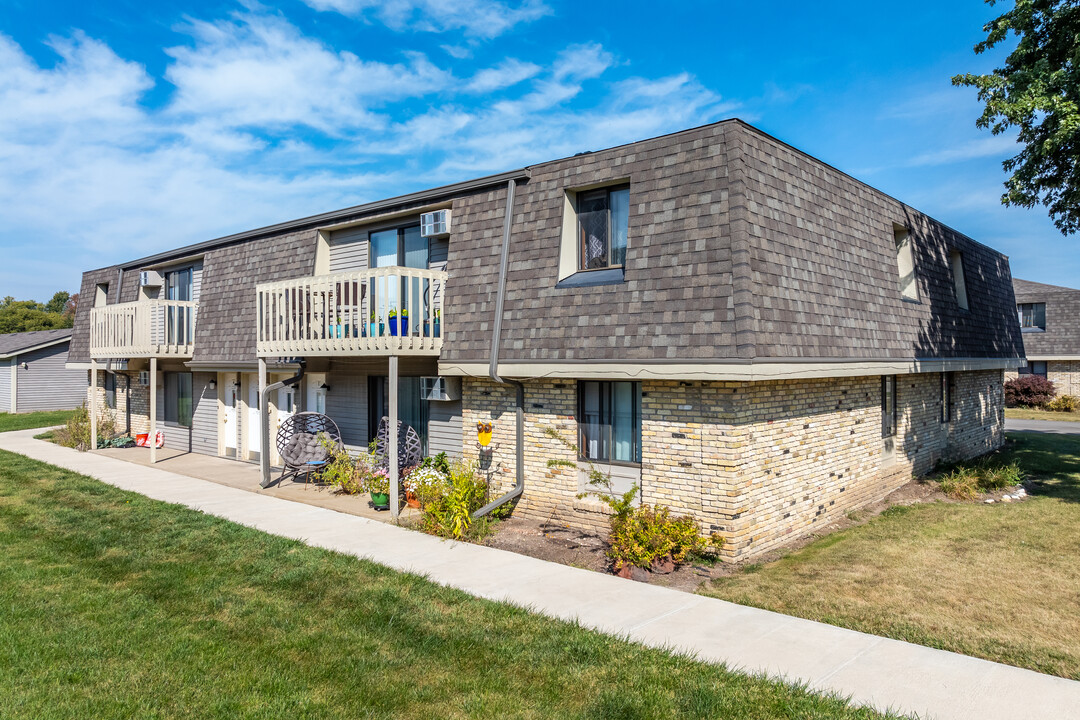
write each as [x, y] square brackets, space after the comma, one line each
[994, 145]
[506, 74]
[260, 71]
[479, 18]
[262, 124]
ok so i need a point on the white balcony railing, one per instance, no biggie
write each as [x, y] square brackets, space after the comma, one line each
[385, 311]
[145, 328]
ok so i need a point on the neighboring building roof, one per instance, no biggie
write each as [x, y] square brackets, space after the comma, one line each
[15, 343]
[1061, 339]
[742, 249]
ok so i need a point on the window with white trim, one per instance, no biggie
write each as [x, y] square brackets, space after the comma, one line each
[603, 221]
[905, 263]
[609, 421]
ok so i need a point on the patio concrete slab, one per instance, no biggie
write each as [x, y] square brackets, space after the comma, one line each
[883, 673]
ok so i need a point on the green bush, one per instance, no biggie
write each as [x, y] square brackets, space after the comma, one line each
[1064, 403]
[448, 504]
[76, 433]
[966, 482]
[342, 471]
[648, 534]
[961, 484]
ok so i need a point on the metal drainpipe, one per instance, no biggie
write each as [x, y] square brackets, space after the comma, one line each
[493, 368]
[264, 420]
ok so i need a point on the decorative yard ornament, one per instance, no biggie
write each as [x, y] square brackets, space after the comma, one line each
[483, 433]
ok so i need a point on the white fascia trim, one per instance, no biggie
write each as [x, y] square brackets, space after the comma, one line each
[739, 372]
[1052, 358]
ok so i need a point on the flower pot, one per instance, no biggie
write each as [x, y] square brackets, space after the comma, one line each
[375, 329]
[411, 500]
[394, 325]
[380, 501]
[436, 332]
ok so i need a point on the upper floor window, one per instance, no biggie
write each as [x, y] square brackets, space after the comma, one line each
[101, 294]
[180, 284]
[905, 263]
[603, 220]
[956, 261]
[609, 421]
[401, 247]
[1032, 315]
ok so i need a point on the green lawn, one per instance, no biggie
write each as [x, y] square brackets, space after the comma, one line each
[1034, 414]
[998, 581]
[25, 421]
[113, 605]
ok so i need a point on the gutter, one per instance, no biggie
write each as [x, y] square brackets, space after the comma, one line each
[493, 367]
[264, 421]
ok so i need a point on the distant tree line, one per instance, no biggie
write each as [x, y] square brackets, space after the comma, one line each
[26, 315]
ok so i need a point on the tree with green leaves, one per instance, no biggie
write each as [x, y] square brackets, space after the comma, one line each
[26, 315]
[1037, 92]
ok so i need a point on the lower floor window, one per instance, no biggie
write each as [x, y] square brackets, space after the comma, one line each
[1036, 367]
[889, 415]
[609, 421]
[946, 397]
[178, 398]
[110, 390]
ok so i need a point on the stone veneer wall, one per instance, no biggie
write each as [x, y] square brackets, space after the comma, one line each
[760, 463]
[138, 397]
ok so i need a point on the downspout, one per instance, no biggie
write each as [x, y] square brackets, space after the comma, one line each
[493, 368]
[264, 421]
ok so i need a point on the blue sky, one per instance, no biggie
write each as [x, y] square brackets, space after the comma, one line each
[129, 127]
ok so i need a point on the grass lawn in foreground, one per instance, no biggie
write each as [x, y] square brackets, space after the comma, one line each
[25, 421]
[113, 605]
[1036, 414]
[997, 581]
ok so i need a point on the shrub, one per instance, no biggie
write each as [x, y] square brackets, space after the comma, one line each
[342, 471]
[647, 534]
[1064, 403]
[639, 536]
[961, 484]
[439, 462]
[966, 482]
[429, 483]
[76, 433]
[1028, 391]
[448, 505]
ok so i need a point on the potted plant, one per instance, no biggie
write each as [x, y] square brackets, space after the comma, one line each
[437, 322]
[399, 323]
[375, 329]
[377, 482]
[409, 486]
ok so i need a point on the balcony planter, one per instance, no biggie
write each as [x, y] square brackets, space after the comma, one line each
[399, 324]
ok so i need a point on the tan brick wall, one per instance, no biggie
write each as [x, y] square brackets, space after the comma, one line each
[1065, 374]
[761, 463]
[138, 397]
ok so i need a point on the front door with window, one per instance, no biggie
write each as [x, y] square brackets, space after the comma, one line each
[254, 433]
[232, 402]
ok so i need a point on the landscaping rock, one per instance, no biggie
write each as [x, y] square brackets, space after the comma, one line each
[663, 566]
[639, 574]
[1006, 499]
[989, 500]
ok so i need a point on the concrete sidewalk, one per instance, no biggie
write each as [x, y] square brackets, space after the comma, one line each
[883, 673]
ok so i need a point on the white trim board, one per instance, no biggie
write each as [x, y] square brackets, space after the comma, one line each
[738, 372]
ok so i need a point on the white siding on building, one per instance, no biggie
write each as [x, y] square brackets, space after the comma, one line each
[46, 384]
[348, 250]
[5, 385]
[204, 415]
[346, 403]
[444, 427]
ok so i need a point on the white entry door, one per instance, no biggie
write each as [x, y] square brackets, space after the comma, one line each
[316, 394]
[286, 405]
[232, 402]
[254, 426]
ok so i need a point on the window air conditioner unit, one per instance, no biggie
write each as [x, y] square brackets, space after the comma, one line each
[144, 377]
[435, 224]
[150, 278]
[440, 388]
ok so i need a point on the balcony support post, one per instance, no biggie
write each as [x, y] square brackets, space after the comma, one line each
[152, 437]
[392, 438]
[264, 422]
[93, 404]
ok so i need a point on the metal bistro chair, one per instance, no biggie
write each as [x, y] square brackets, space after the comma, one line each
[299, 444]
[408, 445]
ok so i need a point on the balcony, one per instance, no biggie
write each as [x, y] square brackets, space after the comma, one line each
[143, 329]
[382, 311]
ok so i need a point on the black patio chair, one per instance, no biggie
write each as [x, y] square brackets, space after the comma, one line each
[300, 444]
